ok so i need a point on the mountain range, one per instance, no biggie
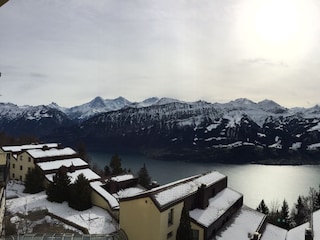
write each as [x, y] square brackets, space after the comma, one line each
[239, 131]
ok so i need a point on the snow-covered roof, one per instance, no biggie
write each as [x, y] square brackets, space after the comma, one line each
[180, 189]
[128, 192]
[52, 165]
[54, 152]
[245, 221]
[97, 186]
[88, 173]
[218, 205]
[29, 146]
[298, 233]
[273, 232]
[122, 178]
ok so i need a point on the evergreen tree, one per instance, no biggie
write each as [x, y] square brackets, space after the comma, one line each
[58, 189]
[115, 165]
[263, 208]
[300, 212]
[80, 194]
[34, 181]
[184, 231]
[107, 171]
[284, 220]
[143, 177]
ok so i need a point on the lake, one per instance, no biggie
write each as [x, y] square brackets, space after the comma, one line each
[255, 182]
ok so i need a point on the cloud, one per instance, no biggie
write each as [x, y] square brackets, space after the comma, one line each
[264, 62]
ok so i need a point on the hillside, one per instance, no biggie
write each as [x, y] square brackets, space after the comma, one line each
[239, 131]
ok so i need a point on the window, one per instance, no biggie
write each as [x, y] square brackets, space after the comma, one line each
[169, 235]
[21, 168]
[195, 234]
[29, 169]
[13, 175]
[170, 217]
[20, 157]
[20, 178]
[13, 165]
[29, 159]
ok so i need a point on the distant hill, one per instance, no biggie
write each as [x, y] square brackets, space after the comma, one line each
[239, 131]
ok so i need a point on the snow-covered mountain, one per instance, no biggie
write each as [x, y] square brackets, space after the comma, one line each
[194, 129]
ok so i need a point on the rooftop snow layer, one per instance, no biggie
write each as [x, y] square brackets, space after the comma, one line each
[177, 190]
[273, 232]
[97, 186]
[243, 222]
[54, 152]
[298, 233]
[29, 146]
[88, 173]
[121, 178]
[128, 192]
[52, 165]
[218, 205]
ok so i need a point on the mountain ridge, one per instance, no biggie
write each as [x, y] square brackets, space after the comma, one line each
[238, 131]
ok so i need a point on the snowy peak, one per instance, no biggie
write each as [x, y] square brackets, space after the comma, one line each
[242, 102]
[271, 106]
[96, 106]
[163, 101]
[97, 102]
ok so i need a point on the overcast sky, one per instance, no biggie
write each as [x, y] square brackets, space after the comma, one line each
[69, 52]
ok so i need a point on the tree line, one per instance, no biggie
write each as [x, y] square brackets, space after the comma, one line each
[300, 213]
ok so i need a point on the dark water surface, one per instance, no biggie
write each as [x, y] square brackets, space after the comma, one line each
[255, 182]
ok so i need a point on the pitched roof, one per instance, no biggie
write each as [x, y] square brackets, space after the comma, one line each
[88, 173]
[20, 148]
[218, 205]
[298, 233]
[243, 222]
[97, 186]
[168, 194]
[179, 190]
[273, 232]
[56, 164]
[53, 152]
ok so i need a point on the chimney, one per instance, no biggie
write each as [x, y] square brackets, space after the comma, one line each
[203, 197]
[254, 236]
[308, 234]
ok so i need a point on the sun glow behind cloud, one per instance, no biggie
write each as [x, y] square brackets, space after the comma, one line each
[277, 29]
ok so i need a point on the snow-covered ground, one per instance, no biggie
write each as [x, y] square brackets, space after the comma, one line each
[96, 220]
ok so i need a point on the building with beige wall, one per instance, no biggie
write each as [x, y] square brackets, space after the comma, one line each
[155, 214]
[18, 161]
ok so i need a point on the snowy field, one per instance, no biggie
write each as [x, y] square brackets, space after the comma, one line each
[96, 220]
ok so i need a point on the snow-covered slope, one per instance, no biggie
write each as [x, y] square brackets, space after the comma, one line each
[164, 122]
[31, 120]
[96, 106]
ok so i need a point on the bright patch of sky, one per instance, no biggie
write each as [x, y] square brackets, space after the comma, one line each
[72, 51]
